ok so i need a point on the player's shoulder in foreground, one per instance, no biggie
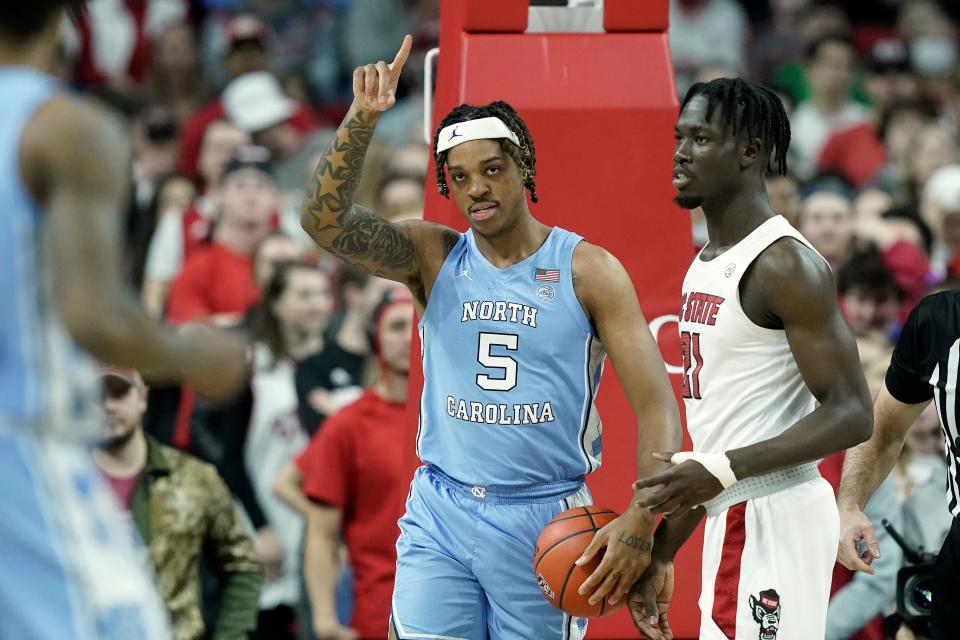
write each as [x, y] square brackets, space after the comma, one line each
[75, 135]
[65, 120]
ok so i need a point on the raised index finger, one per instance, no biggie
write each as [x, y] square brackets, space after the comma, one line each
[401, 58]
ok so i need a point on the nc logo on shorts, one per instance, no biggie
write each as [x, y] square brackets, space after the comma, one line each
[766, 611]
[547, 591]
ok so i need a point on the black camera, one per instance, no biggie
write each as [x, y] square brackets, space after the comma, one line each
[914, 583]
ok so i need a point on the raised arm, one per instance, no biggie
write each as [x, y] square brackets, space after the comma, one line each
[607, 295]
[410, 252]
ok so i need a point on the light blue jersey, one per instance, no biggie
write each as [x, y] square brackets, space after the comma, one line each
[70, 568]
[511, 368]
[45, 381]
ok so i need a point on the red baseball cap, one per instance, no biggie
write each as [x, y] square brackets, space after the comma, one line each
[245, 27]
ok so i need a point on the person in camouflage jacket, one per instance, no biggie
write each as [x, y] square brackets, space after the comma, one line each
[180, 508]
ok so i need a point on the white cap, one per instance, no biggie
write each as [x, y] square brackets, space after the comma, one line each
[943, 188]
[255, 101]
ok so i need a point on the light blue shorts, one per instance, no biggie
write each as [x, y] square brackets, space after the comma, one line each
[465, 561]
[69, 565]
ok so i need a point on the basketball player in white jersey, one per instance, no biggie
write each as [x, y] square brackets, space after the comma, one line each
[515, 318]
[772, 383]
[68, 565]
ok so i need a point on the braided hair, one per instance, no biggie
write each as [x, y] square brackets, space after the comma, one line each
[749, 108]
[524, 155]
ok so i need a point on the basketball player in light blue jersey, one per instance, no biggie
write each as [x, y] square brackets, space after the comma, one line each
[69, 568]
[516, 318]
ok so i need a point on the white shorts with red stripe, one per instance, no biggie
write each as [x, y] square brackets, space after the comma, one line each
[767, 566]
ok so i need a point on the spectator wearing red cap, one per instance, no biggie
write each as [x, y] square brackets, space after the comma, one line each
[244, 52]
[351, 482]
[217, 283]
[181, 509]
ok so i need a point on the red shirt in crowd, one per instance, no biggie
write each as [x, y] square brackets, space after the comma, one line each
[123, 487]
[214, 280]
[855, 153]
[352, 464]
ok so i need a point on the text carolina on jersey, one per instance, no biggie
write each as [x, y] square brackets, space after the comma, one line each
[489, 413]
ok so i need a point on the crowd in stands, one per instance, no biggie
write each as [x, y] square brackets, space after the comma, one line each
[229, 104]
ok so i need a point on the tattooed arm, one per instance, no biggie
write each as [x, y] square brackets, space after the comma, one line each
[410, 252]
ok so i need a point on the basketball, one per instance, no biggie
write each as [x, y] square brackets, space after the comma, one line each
[560, 543]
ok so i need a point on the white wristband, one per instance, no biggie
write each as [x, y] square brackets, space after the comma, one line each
[718, 464]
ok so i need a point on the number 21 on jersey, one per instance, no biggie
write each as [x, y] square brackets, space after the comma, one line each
[692, 364]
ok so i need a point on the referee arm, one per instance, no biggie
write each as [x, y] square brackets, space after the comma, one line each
[905, 394]
[864, 469]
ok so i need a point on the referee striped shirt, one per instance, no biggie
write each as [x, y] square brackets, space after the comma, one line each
[924, 367]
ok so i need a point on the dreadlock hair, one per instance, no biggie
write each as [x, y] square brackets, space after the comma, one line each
[751, 109]
[524, 155]
[22, 20]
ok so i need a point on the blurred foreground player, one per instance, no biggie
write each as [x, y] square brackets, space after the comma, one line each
[924, 367]
[69, 568]
[771, 383]
[515, 319]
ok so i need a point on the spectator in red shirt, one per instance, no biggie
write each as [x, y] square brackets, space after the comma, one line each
[354, 482]
[181, 231]
[860, 152]
[217, 282]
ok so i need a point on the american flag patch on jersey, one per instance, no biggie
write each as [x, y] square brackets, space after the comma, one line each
[547, 275]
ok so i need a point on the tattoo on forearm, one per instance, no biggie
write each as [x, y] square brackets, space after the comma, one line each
[635, 542]
[345, 229]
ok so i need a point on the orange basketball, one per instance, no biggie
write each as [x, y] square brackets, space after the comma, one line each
[560, 543]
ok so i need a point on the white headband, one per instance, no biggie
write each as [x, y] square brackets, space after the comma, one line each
[479, 129]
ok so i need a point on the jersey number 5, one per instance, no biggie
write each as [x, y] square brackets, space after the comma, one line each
[508, 365]
[690, 350]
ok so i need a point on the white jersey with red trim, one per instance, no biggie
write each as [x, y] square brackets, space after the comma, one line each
[741, 384]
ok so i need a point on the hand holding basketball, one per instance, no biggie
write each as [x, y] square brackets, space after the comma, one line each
[375, 85]
[555, 560]
[627, 542]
